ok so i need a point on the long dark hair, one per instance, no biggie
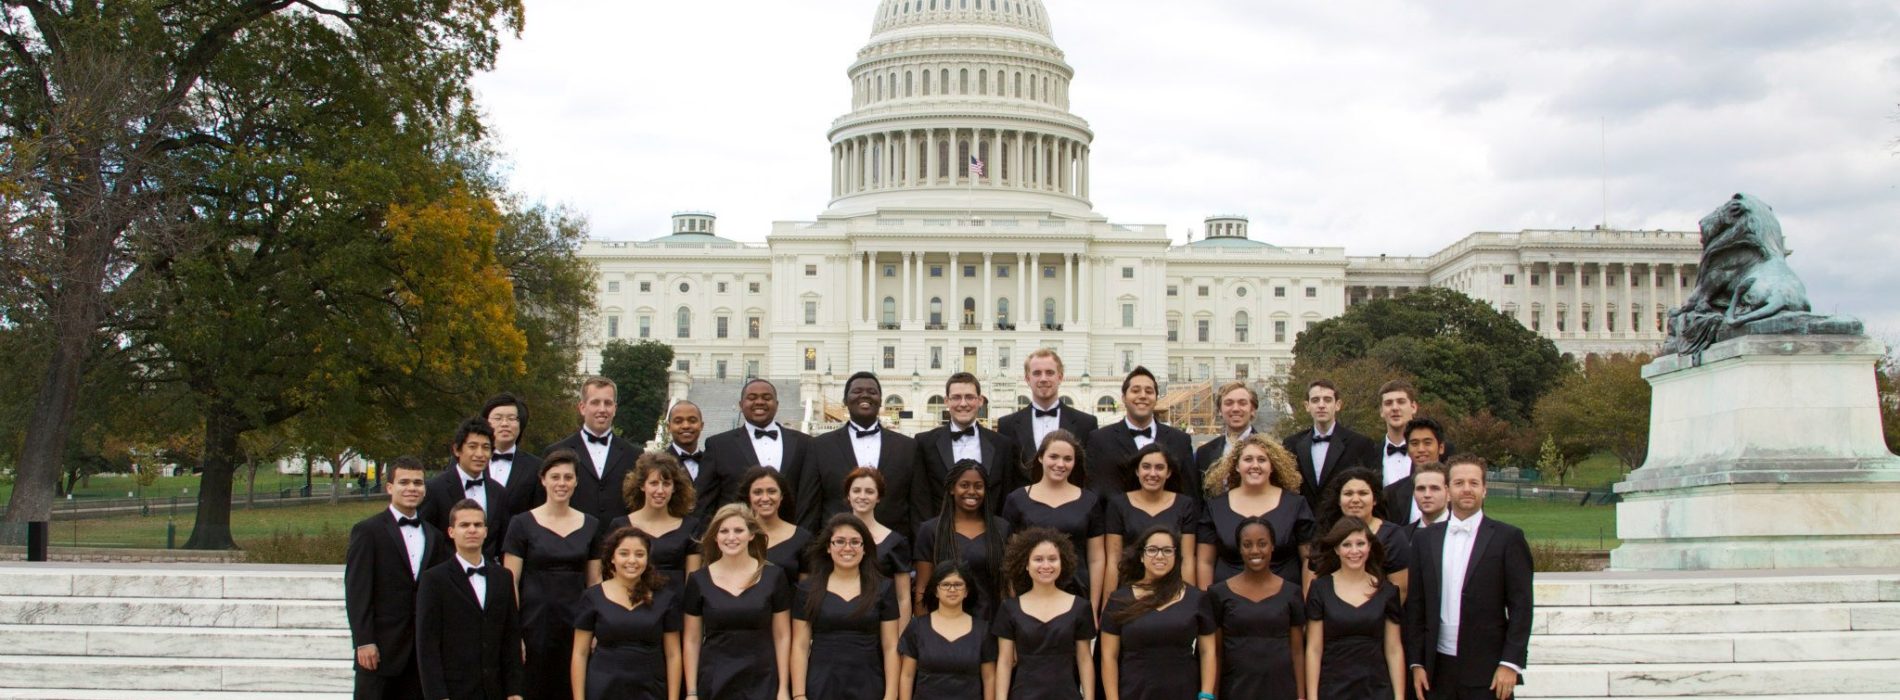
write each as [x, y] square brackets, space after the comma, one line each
[1131, 469]
[649, 580]
[948, 554]
[972, 595]
[1329, 511]
[1016, 561]
[819, 565]
[1078, 476]
[1133, 571]
[786, 508]
[1326, 556]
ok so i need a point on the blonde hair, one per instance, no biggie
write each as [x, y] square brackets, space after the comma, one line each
[1225, 476]
[1043, 352]
[1228, 388]
[709, 542]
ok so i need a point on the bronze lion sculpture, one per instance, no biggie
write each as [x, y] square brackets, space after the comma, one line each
[1744, 285]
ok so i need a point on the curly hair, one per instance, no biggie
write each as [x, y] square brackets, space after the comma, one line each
[1016, 557]
[1225, 476]
[1329, 509]
[1326, 548]
[1133, 571]
[633, 488]
[1079, 475]
[709, 541]
[650, 579]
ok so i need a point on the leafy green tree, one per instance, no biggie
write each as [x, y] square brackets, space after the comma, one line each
[539, 247]
[1603, 409]
[1358, 380]
[1552, 462]
[1497, 441]
[1462, 352]
[640, 371]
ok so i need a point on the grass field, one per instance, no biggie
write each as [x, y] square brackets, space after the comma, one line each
[248, 527]
[186, 486]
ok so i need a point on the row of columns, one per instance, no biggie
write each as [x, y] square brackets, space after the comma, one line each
[1028, 160]
[1025, 307]
[1668, 295]
[974, 80]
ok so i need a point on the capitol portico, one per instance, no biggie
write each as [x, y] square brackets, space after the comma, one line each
[961, 235]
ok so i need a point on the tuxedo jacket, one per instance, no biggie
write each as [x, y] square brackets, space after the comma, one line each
[821, 491]
[379, 593]
[1346, 450]
[524, 483]
[1494, 615]
[1398, 501]
[466, 650]
[1111, 446]
[706, 484]
[936, 455]
[445, 490]
[599, 494]
[731, 454]
[1021, 429]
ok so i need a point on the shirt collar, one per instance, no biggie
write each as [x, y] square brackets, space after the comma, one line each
[1475, 520]
[854, 425]
[463, 472]
[1328, 433]
[1131, 423]
[398, 514]
[1040, 407]
[511, 449]
[467, 563]
[676, 448]
[610, 431]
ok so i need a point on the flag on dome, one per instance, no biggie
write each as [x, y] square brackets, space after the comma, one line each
[976, 166]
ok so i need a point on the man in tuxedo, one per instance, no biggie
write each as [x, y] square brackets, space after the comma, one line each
[468, 478]
[606, 458]
[387, 552]
[1045, 414]
[512, 467]
[1430, 494]
[1398, 405]
[1468, 618]
[861, 442]
[1111, 446]
[468, 640]
[683, 425]
[1238, 404]
[940, 448]
[1327, 449]
[1424, 444]
[758, 442]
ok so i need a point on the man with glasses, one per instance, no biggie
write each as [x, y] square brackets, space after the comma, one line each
[962, 438]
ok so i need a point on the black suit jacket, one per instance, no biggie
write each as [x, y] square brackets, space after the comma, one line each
[379, 593]
[936, 455]
[731, 453]
[1347, 449]
[705, 483]
[1494, 615]
[599, 494]
[1021, 428]
[445, 490]
[524, 483]
[1111, 446]
[466, 650]
[1398, 501]
[821, 491]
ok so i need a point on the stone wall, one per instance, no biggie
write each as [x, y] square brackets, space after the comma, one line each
[129, 556]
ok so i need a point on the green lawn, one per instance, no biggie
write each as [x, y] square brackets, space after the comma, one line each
[1596, 471]
[1565, 523]
[247, 526]
[119, 485]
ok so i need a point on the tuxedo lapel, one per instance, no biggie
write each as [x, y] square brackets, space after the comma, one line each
[1127, 437]
[464, 587]
[395, 536]
[946, 447]
[988, 444]
[889, 452]
[1334, 449]
[1483, 539]
[586, 457]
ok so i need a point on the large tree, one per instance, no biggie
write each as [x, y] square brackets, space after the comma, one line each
[1462, 352]
[640, 371]
[1603, 409]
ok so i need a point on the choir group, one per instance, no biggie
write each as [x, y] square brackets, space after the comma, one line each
[1048, 559]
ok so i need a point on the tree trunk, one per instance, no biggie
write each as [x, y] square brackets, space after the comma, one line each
[250, 485]
[37, 479]
[212, 528]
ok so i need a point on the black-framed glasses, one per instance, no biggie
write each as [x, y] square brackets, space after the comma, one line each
[848, 544]
[1158, 551]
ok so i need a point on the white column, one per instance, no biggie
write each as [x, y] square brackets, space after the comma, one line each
[953, 307]
[1601, 314]
[903, 294]
[1087, 287]
[986, 307]
[917, 297]
[1018, 175]
[1035, 286]
[864, 144]
[1022, 288]
[1575, 323]
[1085, 171]
[930, 157]
[1069, 290]
[856, 294]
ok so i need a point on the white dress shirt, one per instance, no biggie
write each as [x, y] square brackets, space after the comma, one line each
[1041, 426]
[499, 469]
[411, 541]
[1153, 428]
[691, 465]
[1319, 452]
[1227, 445]
[597, 451]
[1398, 465]
[966, 448]
[770, 451]
[479, 494]
[1460, 536]
[478, 582]
[866, 449]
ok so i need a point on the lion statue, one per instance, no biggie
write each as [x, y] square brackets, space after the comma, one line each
[1744, 285]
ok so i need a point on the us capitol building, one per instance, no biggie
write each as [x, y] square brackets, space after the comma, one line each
[921, 267]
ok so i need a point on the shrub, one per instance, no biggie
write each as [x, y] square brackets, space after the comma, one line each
[325, 546]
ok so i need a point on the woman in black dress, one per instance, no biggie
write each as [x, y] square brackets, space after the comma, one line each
[1159, 500]
[1257, 478]
[769, 496]
[947, 654]
[1352, 494]
[1153, 626]
[844, 620]
[1262, 621]
[661, 495]
[863, 490]
[627, 631]
[1352, 620]
[1043, 634]
[737, 632]
[1057, 500]
[550, 550]
[964, 519]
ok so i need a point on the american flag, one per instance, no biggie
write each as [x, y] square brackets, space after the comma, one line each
[976, 167]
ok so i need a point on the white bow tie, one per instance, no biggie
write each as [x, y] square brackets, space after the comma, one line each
[1465, 528]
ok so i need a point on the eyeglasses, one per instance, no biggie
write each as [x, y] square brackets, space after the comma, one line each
[950, 586]
[848, 544]
[1158, 551]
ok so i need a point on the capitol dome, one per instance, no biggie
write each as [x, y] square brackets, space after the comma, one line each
[960, 104]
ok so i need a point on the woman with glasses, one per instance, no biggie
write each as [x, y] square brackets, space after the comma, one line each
[844, 620]
[1153, 627]
[947, 654]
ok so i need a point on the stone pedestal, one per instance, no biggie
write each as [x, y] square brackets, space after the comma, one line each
[1765, 452]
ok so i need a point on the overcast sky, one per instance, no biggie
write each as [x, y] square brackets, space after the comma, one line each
[1386, 127]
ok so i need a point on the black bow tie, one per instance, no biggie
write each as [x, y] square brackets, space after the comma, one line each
[961, 434]
[477, 570]
[508, 457]
[1148, 432]
[757, 433]
[600, 440]
[408, 522]
[472, 483]
[866, 432]
[688, 456]
[1391, 449]
[1051, 413]
[1322, 438]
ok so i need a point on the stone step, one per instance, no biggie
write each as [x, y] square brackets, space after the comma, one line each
[173, 581]
[175, 642]
[172, 612]
[160, 674]
[1705, 680]
[74, 694]
[1750, 647]
[1715, 588]
[1706, 619]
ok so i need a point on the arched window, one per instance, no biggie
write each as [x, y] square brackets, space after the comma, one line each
[880, 88]
[936, 311]
[934, 406]
[963, 159]
[877, 167]
[1241, 323]
[685, 318]
[1022, 401]
[969, 310]
[1106, 404]
[1019, 83]
[926, 85]
[963, 81]
[908, 75]
[893, 407]
[943, 159]
[1049, 313]
[943, 81]
[890, 311]
[982, 82]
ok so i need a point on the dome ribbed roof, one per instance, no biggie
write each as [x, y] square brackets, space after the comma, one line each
[1021, 14]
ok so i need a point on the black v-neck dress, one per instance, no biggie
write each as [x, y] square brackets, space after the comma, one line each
[553, 575]
[629, 659]
[736, 658]
[948, 669]
[1045, 651]
[1352, 659]
[847, 652]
